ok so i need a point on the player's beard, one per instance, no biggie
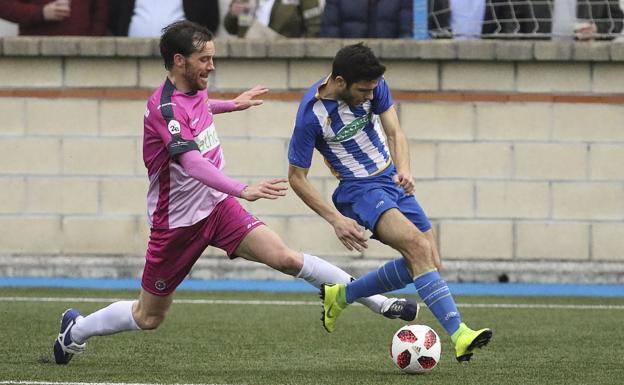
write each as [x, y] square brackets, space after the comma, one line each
[193, 78]
[347, 97]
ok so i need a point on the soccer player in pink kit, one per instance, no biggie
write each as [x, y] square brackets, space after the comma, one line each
[192, 204]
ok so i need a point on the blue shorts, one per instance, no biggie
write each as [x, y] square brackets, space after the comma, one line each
[365, 199]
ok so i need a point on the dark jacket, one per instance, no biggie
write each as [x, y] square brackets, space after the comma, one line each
[203, 12]
[88, 18]
[368, 19]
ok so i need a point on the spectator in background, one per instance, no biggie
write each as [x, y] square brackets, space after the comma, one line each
[521, 17]
[598, 19]
[620, 37]
[272, 19]
[147, 18]
[368, 19]
[467, 18]
[57, 17]
[439, 20]
[559, 19]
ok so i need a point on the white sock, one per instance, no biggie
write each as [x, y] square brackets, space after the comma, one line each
[116, 317]
[317, 271]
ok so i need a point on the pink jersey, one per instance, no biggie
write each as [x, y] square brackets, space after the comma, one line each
[175, 123]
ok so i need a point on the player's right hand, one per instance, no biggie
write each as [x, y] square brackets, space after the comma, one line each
[267, 189]
[56, 10]
[350, 233]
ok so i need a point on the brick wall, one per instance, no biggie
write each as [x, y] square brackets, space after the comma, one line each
[517, 147]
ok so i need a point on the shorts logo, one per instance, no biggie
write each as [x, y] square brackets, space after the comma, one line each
[379, 204]
[160, 285]
[252, 224]
[173, 127]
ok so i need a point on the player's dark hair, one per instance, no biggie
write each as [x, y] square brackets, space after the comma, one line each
[357, 63]
[183, 37]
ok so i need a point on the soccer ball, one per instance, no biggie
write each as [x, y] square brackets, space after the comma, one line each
[415, 349]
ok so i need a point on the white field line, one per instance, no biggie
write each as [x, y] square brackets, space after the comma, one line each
[306, 303]
[79, 383]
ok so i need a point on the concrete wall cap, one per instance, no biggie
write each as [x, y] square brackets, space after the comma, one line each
[441, 49]
[103, 46]
[60, 46]
[21, 46]
[322, 48]
[514, 50]
[553, 50]
[136, 47]
[399, 49]
[438, 49]
[286, 48]
[247, 48]
[476, 50]
[592, 51]
[617, 51]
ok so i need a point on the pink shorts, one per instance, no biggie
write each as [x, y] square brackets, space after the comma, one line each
[171, 253]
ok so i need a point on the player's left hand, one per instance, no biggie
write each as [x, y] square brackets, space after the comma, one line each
[406, 181]
[246, 99]
[266, 189]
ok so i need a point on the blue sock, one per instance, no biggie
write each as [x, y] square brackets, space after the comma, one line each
[437, 296]
[391, 276]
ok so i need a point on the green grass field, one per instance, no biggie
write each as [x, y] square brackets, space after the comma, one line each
[273, 344]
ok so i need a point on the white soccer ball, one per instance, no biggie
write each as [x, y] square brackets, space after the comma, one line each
[415, 349]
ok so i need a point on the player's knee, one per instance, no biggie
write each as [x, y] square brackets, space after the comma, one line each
[289, 262]
[150, 322]
[421, 250]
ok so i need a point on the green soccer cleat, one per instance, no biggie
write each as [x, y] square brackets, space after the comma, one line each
[334, 302]
[466, 340]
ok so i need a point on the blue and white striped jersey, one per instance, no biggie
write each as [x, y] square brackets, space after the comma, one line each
[350, 139]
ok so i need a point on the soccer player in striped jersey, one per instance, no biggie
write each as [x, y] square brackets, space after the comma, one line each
[192, 204]
[349, 117]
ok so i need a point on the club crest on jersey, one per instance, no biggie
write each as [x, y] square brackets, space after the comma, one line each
[173, 127]
[348, 131]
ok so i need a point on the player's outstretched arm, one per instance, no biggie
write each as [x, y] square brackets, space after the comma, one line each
[241, 102]
[248, 98]
[267, 189]
[197, 167]
[399, 149]
[350, 233]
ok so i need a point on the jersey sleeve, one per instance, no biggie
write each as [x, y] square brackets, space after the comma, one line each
[172, 126]
[382, 99]
[301, 147]
[220, 106]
